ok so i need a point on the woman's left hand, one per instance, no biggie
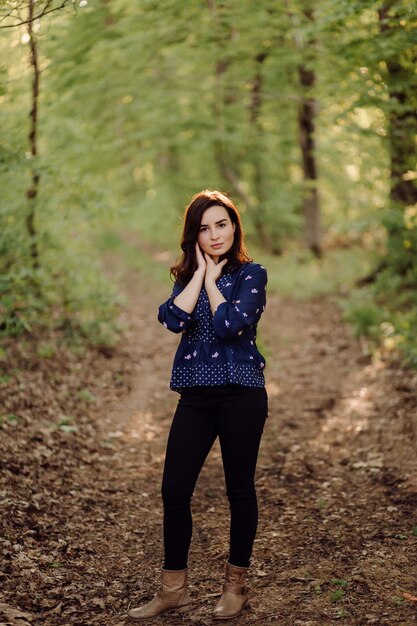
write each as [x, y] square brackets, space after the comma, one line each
[213, 270]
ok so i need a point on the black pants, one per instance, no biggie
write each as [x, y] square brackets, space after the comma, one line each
[237, 415]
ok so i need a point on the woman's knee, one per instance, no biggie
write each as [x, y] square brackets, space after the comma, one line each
[172, 496]
[242, 495]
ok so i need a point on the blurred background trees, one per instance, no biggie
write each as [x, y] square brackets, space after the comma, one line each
[115, 113]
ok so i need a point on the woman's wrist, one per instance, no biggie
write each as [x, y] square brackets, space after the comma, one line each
[200, 272]
[208, 280]
[214, 295]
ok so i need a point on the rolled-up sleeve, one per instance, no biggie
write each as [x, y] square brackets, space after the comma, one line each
[172, 316]
[231, 318]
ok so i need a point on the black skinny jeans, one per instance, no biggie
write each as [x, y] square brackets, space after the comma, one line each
[237, 415]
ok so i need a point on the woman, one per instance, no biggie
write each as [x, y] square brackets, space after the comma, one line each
[218, 297]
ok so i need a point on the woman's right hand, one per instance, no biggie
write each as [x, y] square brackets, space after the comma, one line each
[201, 262]
[188, 298]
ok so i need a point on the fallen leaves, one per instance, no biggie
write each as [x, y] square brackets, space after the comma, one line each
[408, 596]
[81, 459]
[11, 614]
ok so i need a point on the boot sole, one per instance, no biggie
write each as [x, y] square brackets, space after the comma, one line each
[244, 607]
[180, 609]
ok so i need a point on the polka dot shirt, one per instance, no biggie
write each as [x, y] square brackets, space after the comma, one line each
[221, 348]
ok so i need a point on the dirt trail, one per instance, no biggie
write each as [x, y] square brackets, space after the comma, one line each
[336, 485]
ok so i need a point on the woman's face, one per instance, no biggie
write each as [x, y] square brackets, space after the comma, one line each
[216, 228]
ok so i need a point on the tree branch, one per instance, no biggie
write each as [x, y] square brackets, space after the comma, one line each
[45, 11]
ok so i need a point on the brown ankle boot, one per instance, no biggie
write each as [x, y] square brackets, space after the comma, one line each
[172, 595]
[235, 593]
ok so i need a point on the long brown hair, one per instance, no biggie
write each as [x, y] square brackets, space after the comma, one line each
[184, 269]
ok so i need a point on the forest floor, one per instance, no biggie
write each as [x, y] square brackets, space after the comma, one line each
[82, 445]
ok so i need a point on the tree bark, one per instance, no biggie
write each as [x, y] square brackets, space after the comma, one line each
[32, 192]
[306, 129]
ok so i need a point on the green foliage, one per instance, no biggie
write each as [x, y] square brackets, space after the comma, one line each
[10, 418]
[386, 313]
[339, 593]
[86, 395]
[339, 582]
[297, 273]
[65, 424]
[46, 350]
[364, 314]
[143, 104]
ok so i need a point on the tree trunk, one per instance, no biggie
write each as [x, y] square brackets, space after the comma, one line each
[306, 128]
[402, 131]
[32, 192]
[402, 122]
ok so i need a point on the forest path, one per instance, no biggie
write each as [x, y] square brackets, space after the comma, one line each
[81, 523]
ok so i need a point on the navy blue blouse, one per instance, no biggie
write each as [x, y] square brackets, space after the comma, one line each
[221, 348]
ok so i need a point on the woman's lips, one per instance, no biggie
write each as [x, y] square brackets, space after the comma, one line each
[217, 245]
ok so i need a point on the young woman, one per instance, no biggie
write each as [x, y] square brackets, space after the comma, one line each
[217, 300]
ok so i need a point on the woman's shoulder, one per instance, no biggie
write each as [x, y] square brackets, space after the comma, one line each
[248, 271]
[252, 267]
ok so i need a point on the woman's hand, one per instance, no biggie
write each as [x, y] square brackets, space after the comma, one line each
[201, 263]
[213, 270]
